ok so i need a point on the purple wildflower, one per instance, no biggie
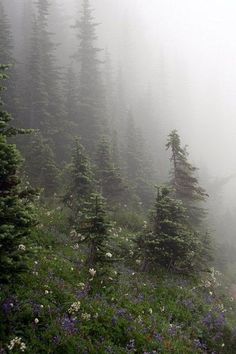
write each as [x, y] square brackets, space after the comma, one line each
[68, 324]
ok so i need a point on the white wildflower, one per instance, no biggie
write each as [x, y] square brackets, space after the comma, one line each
[108, 255]
[36, 320]
[81, 285]
[86, 316]
[74, 308]
[92, 272]
[21, 247]
[150, 311]
[17, 343]
[73, 233]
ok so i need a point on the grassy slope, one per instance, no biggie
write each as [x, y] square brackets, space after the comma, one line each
[125, 312]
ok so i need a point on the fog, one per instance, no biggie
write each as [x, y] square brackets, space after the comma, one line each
[183, 53]
[189, 48]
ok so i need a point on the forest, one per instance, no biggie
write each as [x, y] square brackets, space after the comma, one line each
[112, 238]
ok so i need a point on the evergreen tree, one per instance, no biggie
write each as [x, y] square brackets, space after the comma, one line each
[71, 101]
[81, 183]
[7, 58]
[108, 176]
[40, 165]
[184, 180]
[91, 112]
[169, 242]
[138, 171]
[16, 217]
[93, 228]
[43, 106]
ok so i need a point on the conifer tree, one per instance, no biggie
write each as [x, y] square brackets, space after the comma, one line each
[91, 110]
[7, 58]
[108, 176]
[71, 102]
[81, 183]
[94, 231]
[40, 165]
[16, 216]
[169, 242]
[43, 106]
[138, 171]
[184, 180]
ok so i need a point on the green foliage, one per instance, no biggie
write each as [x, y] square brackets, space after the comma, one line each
[16, 214]
[81, 180]
[137, 166]
[40, 165]
[169, 243]
[91, 105]
[109, 180]
[94, 231]
[184, 181]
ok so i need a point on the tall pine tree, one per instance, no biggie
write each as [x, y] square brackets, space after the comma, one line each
[184, 180]
[91, 112]
[108, 176]
[16, 215]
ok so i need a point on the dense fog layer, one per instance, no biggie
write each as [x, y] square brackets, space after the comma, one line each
[178, 58]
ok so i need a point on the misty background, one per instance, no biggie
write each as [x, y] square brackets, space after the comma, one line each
[176, 58]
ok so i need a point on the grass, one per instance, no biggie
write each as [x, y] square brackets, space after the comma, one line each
[123, 312]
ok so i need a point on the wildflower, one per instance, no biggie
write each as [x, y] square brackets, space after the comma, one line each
[17, 342]
[36, 320]
[138, 261]
[81, 285]
[92, 272]
[76, 246]
[21, 247]
[36, 262]
[86, 316]
[72, 269]
[74, 308]
[41, 306]
[150, 311]
[73, 233]
[108, 255]
[133, 273]
[46, 292]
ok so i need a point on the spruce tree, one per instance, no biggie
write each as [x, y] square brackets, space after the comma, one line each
[91, 110]
[43, 105]
[7, 58]
[94, 231]
[81, 179]
[138, 170]
[169, 242]
[40, 165]
[16, 216]
[184, 180]
[108, 176]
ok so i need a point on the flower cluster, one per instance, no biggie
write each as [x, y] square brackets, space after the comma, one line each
[21, 247]
[17, 343]
[74, 308]
[86, 316]
[92, 272]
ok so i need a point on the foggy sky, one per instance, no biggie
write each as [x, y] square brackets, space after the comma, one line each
[186, 51]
